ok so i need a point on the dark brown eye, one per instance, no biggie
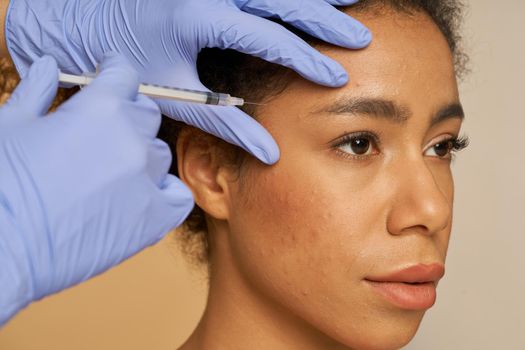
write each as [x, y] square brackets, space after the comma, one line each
[360, 145]
[447, 149]
[443, 148]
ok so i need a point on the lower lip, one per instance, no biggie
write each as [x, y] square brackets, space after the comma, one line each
[407, 296]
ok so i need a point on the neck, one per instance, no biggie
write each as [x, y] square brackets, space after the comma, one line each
[239, 316]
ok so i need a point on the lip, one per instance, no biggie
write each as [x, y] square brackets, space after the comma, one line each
[412, 288]
[413, 274]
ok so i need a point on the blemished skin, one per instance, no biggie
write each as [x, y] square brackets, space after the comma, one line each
[292, 244]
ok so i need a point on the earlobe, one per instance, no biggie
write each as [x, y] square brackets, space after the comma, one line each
[200, 169]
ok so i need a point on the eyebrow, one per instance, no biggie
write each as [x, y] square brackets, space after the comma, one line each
[388, 110]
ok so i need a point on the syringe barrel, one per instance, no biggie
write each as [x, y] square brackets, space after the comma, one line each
[156, 91]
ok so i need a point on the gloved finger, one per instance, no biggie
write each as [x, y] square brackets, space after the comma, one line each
[159, 161]
[34, 95]
[317, 18]
[169, 207]
[341, 2]
[265, 39]
[227, 123]
[147, 117]
[117, 78]
[179, 196]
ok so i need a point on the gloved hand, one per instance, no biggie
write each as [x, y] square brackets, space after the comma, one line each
[162, 38]
[82, 189]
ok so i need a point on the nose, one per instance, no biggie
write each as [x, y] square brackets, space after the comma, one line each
[419, 201]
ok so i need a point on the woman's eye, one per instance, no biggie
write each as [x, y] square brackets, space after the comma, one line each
[441, 149]
[447, 148]
[358, 145]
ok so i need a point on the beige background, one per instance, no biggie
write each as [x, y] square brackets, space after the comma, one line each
[153, 301]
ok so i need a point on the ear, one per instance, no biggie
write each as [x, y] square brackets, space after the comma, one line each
[203, 169]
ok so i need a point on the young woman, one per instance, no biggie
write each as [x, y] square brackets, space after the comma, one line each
[342, 243]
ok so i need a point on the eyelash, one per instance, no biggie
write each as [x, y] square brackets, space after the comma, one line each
[456, 144]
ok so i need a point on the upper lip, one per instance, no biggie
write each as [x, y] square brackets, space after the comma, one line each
[419, 273]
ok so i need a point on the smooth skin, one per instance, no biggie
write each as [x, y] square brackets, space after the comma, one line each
[292, 244]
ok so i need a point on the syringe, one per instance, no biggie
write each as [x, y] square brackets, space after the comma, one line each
[156, 91]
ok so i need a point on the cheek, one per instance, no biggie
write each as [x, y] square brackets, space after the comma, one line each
[304, 239]
[309, 218]
[302, 232]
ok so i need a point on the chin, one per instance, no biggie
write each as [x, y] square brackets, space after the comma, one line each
[388, 335]
[380, 342]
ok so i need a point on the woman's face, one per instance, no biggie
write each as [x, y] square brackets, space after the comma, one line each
[363, 188]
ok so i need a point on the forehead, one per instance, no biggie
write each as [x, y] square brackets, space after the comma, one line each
[406, 48]
[408, 61]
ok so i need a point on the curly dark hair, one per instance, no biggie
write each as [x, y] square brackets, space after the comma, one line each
[255, 80]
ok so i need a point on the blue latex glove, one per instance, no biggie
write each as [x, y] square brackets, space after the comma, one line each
[82, 189]
[162, 38]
